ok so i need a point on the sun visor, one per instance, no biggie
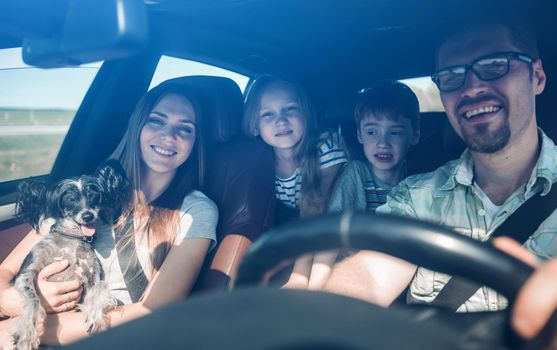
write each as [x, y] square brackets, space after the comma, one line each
[88, 31]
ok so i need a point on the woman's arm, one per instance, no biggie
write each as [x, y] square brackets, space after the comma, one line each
[10, 300]
[53, 294]
[171, 283]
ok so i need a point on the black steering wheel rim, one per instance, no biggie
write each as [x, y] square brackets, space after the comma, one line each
[423, 244]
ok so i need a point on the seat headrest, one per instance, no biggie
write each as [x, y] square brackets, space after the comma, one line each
[221, 103]
[341, 109]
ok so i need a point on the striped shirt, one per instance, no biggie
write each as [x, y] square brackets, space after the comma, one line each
[357, 189]
[330, 153]
[447, 196]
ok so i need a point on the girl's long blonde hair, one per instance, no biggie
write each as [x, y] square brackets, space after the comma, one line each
[159, 220]
[307, 151]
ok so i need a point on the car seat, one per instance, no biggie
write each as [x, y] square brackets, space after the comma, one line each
[439, 144]
[339, 115]
[239, 178]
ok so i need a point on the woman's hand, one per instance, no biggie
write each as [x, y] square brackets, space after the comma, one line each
[57, 296]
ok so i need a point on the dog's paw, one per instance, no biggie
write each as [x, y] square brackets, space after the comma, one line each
[24, 337]
[9, 344]
[110, 304]
[23, 345]
[35, 344]
[95, 327]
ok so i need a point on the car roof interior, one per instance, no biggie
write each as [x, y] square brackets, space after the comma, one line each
[333, 48]
[344, 43]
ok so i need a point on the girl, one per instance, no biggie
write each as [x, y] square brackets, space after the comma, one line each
[173, 224]
[306, 162]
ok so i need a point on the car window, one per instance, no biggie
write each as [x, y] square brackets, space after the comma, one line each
[172, 67]
[37, 107]
[427, 93]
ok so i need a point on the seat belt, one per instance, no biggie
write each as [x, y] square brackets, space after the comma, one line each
[519, 226]
[134, 276]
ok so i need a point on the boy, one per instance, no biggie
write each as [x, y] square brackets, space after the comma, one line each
[387, 119]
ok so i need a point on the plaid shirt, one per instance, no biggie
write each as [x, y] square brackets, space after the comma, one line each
[447, 196]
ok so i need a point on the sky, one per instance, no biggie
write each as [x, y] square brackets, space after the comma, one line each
[22, 86]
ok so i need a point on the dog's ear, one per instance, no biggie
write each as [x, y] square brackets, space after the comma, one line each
[116, 189]
[31, 202]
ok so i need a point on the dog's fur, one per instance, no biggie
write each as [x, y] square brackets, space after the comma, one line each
[73, 206]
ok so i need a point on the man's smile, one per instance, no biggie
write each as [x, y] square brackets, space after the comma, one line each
[482, 110]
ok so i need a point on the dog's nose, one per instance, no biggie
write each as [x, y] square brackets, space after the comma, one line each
[87, 216]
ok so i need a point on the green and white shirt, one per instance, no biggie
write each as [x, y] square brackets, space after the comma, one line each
[448, 196]
[357, 189]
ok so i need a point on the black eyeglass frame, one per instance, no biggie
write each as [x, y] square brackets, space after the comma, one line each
[470, 67]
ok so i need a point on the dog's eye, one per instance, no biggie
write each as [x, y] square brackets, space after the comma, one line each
[69, 201]
[70, 197]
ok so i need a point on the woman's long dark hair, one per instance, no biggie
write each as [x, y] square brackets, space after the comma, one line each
[161, 217]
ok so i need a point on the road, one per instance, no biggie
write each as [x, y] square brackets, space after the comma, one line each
[20, 130]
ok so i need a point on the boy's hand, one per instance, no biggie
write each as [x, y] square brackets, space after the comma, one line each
[57, 296]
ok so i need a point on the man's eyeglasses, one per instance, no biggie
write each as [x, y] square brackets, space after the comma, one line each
[489, 67]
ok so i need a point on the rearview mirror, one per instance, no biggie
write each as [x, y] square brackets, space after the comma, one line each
[72, 32]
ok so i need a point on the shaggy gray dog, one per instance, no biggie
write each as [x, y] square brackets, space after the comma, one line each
[73, 206]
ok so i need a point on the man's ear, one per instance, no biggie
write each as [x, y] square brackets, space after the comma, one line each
[538, 76]
[360, 140]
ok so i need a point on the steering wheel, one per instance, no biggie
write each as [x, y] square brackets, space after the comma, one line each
[254, 317]
[423, 244]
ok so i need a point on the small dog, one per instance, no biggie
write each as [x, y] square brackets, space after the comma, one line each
[73, 206]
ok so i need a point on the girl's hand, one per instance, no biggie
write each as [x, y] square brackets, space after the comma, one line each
[57, 296]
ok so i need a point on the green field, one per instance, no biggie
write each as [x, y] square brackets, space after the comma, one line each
[14, 116]
[29, 155]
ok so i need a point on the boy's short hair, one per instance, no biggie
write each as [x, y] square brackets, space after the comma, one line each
[390, 98]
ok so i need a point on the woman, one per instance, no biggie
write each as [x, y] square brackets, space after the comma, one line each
[173, 224]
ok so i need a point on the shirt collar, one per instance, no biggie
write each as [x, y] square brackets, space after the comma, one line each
[545, 171]
[460, 172]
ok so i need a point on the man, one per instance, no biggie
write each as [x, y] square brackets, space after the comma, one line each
[489, 74]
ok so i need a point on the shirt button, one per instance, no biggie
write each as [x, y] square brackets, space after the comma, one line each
[481, 212]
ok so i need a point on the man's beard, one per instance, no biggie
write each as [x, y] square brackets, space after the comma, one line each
[485, 141]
